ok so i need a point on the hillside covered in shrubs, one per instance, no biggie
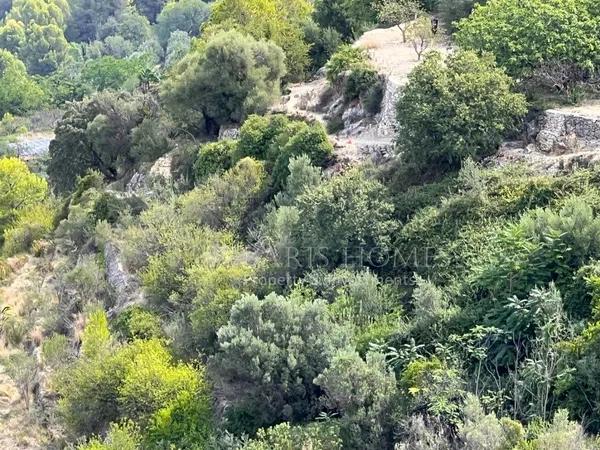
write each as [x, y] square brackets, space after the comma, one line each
[187, 267]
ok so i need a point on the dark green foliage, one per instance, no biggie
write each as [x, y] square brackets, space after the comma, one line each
[182, 15]
[349, 17]
[309, 140]
[347, 220]
[99, 133]
[277, 139]
[88, 15]
[224, 81]
[323, 44]
[456, 109]
[150, 8]
[451, 11]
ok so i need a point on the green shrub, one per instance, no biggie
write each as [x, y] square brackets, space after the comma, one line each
[269, 354]
[347, 219]
[359, 82]
[214, 159]
[309, 140]
[226, 201]
[56, 351]
[124, 436]
[454, 109]
[316, 436]
[138, 323]
[139, 381]
[31, 225]
[347, 58]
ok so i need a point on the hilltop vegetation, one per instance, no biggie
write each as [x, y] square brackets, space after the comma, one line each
[186, 269]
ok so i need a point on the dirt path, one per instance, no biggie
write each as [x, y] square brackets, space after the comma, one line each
[393, 59]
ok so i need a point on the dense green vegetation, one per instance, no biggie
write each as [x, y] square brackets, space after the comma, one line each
[188, 270]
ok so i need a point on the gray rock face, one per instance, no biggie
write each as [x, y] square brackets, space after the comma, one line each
[561, 140]
[124, 285]
[229, 132]
[564, 131]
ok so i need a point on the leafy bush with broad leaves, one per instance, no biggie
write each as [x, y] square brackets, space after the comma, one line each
[19, 93]
[516, 33]
[454, 109]
[276, 139]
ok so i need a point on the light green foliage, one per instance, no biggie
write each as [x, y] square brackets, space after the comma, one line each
[360, 298]
[348, 219]
[96, 339]
[433, 386]
[110, 72]
[316, 436]
[30, 225]
[56, 351]
[225, 80]
[352, 73]
[196, 270]
[19, 93]
[137, 381]
[486, 431]
[518, 36]
[562, 433]
[21, 193]
[421, 35]
[303, 176]
[269, 354]
[362, 392]
[22, 368]
[456, 109]
[349, 17]
[281, 21]
[213, 159]
[33, 30]
[138, 323]
[182, 15]
[124, 436]
[276, 139]
[347, 58]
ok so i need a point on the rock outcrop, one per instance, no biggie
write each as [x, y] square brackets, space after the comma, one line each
[559, 140]
[124, 285]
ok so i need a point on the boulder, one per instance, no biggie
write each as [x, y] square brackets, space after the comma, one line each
[563, 131]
